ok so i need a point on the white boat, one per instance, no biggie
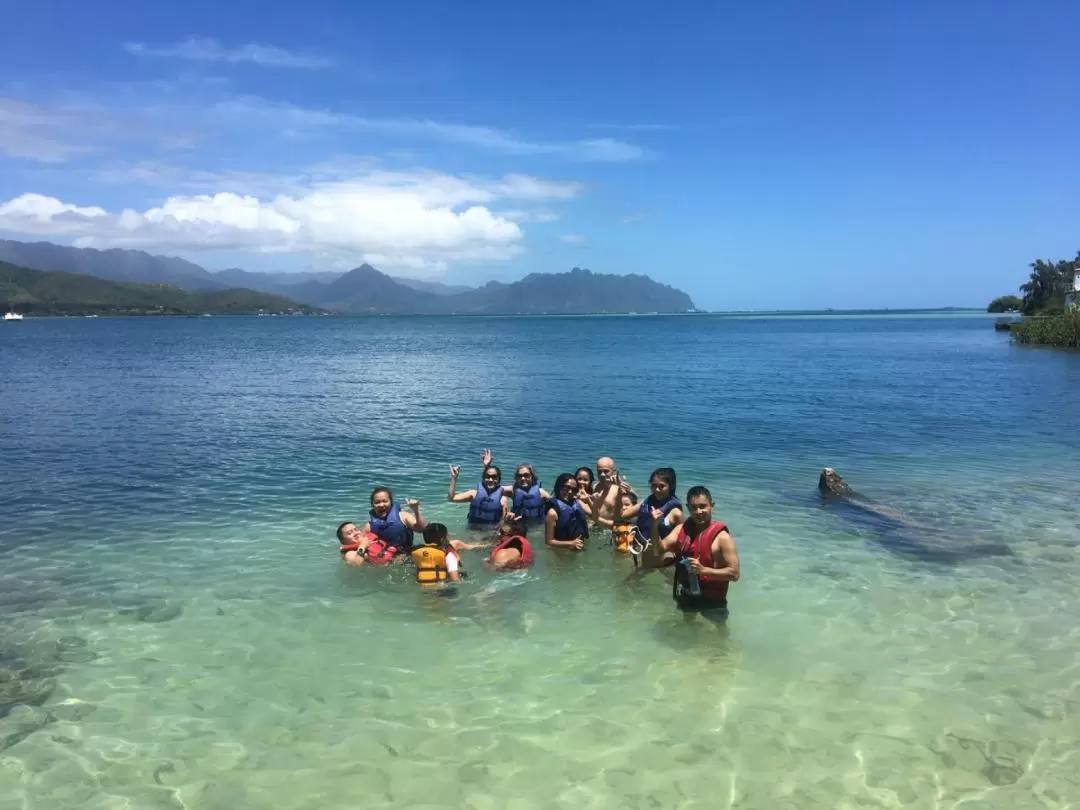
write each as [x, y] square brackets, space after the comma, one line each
[12, 316]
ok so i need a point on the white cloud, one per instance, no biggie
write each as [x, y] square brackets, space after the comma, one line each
[574, 238]
[210, 50]
[34, 132]
[295, 119]
[416, 223]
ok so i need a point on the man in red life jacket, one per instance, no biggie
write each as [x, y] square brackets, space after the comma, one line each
[707, 561]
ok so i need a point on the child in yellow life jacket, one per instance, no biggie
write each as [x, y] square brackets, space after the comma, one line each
[623, 533]
[436, 561]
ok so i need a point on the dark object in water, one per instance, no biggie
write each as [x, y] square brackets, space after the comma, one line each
[898, 534]
[22, 684]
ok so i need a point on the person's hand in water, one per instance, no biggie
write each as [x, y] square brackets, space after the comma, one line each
[577, 544]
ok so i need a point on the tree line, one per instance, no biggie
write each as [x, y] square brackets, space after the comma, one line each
[1045, 291]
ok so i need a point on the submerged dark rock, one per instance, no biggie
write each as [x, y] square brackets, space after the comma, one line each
[23, 684]
[898, 534]
[142, 608]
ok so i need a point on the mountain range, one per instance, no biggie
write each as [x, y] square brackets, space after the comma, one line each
[37, 292]
[365, 290]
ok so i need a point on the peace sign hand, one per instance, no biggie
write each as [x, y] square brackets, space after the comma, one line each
[454, 470]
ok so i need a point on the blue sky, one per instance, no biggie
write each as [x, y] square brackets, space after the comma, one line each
[756, 155]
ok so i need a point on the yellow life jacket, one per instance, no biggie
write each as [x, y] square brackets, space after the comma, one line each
[620, 536]
[430, 564]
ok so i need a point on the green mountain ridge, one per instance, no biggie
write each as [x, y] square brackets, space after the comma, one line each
[38, 292]
[365, 290]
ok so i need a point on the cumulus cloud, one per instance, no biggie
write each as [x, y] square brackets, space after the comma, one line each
[416, 223]
[210, 50]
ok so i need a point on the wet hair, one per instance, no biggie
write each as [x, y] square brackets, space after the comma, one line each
[563, 479]
[697, 492]
[498, 472]
[666, 474]
[632, 496]
[341, 528]
[513, 526]
[435, 534]
[377, 490]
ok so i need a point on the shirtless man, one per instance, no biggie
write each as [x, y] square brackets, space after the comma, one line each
[607, 498]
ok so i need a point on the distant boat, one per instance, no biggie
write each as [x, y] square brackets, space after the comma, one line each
[12, 316]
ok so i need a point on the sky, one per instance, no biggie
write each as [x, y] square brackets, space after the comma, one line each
[775, 155]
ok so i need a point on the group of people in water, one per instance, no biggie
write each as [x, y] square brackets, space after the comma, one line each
[656, 532]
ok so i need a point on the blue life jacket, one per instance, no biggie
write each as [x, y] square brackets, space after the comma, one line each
[644, 520]
[392, 529]
[486, 507]
[528, 503]
[572, 522]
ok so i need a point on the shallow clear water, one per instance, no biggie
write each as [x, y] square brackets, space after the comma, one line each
[173, 603]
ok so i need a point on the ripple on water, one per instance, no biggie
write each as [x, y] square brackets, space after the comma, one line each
[203, 648]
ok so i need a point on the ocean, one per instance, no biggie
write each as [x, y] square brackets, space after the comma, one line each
[177, 629]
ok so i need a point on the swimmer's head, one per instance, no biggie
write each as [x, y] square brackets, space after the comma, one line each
[566, 487]
[662, 483]
[435, 534]
[584, 477]
[492, 477]
[381, 501]
[524, 476]
[511, 527]
[348, 533]
[605, 469]
[699, 503]
[628, 499]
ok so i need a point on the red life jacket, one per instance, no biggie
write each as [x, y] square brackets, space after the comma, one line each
[379, 553]
[700, 547]
[526, 551]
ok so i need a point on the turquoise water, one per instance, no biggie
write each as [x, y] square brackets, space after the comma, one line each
[173, 607]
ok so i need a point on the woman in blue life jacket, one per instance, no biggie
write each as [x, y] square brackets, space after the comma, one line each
[662, 498]
[387, 522]
[566, 524]
[487, 503]
[528, 500]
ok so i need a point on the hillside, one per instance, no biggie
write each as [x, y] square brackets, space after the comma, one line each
[113, 265]
[579, 292]
[366, 290]
[36, 292]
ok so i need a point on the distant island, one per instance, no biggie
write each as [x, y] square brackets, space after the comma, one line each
[36, 292]
[361, 291]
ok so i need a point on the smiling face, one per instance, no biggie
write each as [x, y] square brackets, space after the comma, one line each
[584, 478]
[349, 534]
[605, 470]
[491, 479]
[701, 510]
[381, 502]
[567, 491]
[523, 477]
[661, 489]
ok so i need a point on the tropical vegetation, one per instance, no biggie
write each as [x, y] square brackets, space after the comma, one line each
[1054, 330]
[1006, 303]
[1049, 304]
